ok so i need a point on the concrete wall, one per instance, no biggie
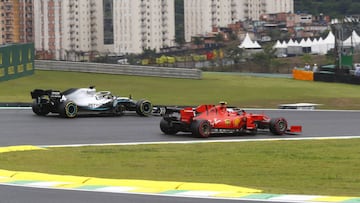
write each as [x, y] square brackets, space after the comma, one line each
[118, 69]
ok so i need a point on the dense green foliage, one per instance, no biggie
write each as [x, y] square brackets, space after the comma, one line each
[332, 8]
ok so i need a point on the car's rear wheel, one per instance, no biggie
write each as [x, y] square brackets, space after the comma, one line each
[201, 128]
[68, 109]
[42, 108]
[278, 126]
[167, 128]
[144, 108]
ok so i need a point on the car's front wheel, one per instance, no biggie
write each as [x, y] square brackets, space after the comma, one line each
[68, 109]
[144, 108]
[278, 126]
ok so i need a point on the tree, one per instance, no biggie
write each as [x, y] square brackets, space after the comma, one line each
[333, 8]
[306, 58]
[148, 54]
[235, 53]
[219, 38]
[198, 41]
[266, 59]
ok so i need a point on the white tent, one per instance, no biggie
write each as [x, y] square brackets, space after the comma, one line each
[277, 45]
[302, 42]
[305, 42]
[322, 46]
[326, 44]
[308, 42]
[353, 40]
[257, 45]
[280, 48]
[247, 43]
[280, 45]
[292, 43]
[316, 45]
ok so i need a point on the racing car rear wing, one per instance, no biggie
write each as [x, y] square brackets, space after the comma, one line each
[54, 94]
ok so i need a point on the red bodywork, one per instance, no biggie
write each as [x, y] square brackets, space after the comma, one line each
[206, 119]
[222, 118]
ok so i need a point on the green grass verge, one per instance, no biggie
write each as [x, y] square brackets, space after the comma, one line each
[326, 167]
[237, 90]
[302, 167]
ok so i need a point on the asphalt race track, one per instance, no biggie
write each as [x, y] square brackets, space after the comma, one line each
[22, 127]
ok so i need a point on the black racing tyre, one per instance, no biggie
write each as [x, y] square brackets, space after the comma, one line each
[41, 109]
[119, 109]
[167, 128]
[278, 126]
[144, 108]
[68, 109]
[201, 128]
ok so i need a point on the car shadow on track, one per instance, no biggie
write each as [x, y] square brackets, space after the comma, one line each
[91, 115]
[260, 134]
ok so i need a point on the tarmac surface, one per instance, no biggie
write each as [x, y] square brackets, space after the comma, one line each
[22, 130]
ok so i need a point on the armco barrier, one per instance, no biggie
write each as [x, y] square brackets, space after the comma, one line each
[118, 69]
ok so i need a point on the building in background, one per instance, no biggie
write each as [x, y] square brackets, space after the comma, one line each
[16, 21]
[79, 30]
[202, 16]
[143, 25]
[68, 29]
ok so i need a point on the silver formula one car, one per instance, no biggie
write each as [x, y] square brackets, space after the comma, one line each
[76, 100]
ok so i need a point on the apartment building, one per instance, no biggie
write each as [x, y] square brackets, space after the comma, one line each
[16, 21]
[202, 15]
[68, 29]
[79, 30]
[143, 24]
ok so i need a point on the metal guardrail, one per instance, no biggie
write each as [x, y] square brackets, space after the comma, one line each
[118, 69]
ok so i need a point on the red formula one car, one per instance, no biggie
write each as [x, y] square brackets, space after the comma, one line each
[205, 120]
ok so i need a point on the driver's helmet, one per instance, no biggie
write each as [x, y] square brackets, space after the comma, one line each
[223, 105]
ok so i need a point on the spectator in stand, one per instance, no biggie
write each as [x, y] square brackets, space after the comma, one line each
[307, 67]
[315, 68]
[357, 70]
